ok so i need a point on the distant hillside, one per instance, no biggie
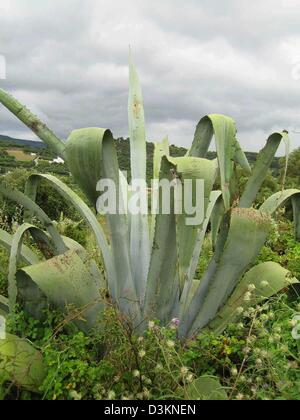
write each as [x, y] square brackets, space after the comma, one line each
[18, 153]
[10, 141]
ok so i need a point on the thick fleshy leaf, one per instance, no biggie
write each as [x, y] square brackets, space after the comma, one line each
[91, 155]
[4, 306]
[33, 122]
[26, 255]
[160, 149]
[139, 234]
[267, 278]
[68, 283]
[18, 252]
[163, 283]
[248, 232]
[35, 210]
[191, 285]
[126, 194]
[206, 388]
[296, 211]
[84, 154]
[280, 199]
[217, 215]
[191, 290]
[214, 200]
[191, 168]
[224, 130]
[15, 253]
[241, 158]
[30, 297]
[263, 163]
[21, 364]
[85, 212]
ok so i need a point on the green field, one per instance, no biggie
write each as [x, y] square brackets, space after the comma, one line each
[20, 155]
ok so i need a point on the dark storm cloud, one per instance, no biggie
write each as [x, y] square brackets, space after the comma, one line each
[67, 60]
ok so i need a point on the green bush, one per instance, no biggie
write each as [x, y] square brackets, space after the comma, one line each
[256, 359]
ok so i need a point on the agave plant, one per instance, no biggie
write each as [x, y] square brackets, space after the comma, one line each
[149, 264]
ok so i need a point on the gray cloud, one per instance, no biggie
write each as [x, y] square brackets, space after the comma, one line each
[68, 62]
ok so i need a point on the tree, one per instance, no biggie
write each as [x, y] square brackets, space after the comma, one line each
[293, 173]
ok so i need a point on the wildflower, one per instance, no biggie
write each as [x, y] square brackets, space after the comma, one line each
[271, 340]
[246, 350]
[170, 344]
[234, 371]
[240, 397]
[277, 330]
[240, 310]
[277, 337]
[75, 395]
[140, 339]
[264, 284]
[242, 379]
[264, 317]
[251, 287]
[292, 365]
[184, 371]
[264, 354]
[293, 323]
[142, 353]
[111, 395]
[240, 325]
[136, 373]
[247, 296]
[253, 390]
[146, 393]
[190, 378]
[259, 362]
[151, 325]
[271, 315]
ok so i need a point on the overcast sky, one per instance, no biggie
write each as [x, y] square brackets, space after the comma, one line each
[67, 60]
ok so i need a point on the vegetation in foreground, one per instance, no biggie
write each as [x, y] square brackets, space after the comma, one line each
[256, 358]
[125, 350]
